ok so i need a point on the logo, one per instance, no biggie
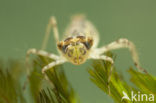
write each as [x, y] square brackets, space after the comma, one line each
[137, 96]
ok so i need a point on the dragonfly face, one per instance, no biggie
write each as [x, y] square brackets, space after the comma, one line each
[76, 49]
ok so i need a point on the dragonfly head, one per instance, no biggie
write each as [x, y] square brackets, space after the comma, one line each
[77, 49]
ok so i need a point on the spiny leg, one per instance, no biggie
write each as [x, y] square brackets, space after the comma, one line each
[52, 64]
[106, 58]
[39, 52]
[123, 43]
[52, 24]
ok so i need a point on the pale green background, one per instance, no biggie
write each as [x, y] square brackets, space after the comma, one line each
[23, 23]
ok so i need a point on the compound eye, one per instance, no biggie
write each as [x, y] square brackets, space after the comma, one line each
[83, 51]
[70, 53]
[88, 44]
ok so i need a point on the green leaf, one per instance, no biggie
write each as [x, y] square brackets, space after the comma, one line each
[59, 89]
[10, 88]
[145, 83]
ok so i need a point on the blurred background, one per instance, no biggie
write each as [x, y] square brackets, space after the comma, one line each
[23, 24]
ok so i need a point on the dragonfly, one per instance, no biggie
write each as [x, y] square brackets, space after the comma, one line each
[80, 43]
